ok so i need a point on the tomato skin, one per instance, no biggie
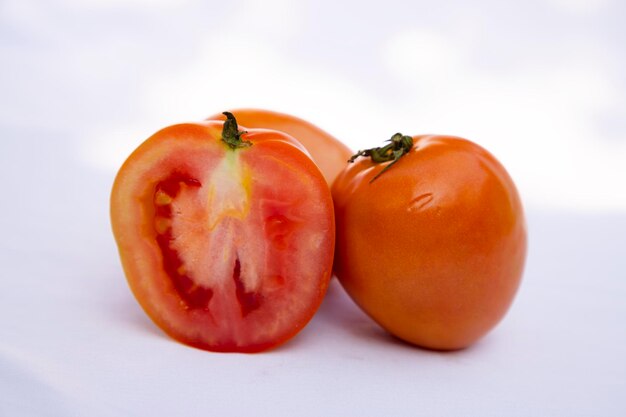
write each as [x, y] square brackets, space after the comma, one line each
[329, 153]
[434, 248]
[225, 250]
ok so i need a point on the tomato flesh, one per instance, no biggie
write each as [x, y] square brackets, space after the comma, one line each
[226, 250]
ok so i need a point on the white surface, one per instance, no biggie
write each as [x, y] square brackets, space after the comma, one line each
[73, 341]
[539, 83]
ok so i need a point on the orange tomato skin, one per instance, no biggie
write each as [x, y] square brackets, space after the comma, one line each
[329, 153]
[276, 163]
[434, 248]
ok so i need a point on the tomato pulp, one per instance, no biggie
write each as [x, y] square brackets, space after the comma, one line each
[226, 239]
[431, 238]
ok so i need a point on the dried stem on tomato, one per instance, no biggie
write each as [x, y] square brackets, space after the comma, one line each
[399, 146]
[231, 135]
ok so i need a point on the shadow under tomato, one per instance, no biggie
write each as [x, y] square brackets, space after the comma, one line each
[340, 312]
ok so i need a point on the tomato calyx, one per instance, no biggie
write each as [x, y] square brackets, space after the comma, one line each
[399, 146]
[231, 135]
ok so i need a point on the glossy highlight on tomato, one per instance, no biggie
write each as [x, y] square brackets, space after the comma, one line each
[431, 238]
[329, 153]
[226, 239]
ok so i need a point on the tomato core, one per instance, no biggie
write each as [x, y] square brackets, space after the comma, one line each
[195, 296]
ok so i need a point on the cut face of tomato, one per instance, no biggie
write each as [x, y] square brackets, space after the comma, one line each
[225, 249]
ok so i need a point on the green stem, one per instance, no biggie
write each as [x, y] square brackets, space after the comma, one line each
[399, 146]
[231, 135]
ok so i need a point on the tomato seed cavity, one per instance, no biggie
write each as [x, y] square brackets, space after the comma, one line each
[195, 296]
[248, 300]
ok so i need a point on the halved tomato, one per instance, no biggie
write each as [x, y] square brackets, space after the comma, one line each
[226, 238]
[329, 153]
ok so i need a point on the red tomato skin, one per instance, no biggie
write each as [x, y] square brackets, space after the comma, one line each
[329, 153]
[434, 248]
[132, 211]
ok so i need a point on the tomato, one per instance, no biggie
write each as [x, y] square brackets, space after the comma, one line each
[329, 154]
[226, 239]
[431, 239]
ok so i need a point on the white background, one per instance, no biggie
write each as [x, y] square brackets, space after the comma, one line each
[541, 84]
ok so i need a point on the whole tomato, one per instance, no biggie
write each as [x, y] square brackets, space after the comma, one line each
[329, 154]
[431, 238]
[226, 238]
